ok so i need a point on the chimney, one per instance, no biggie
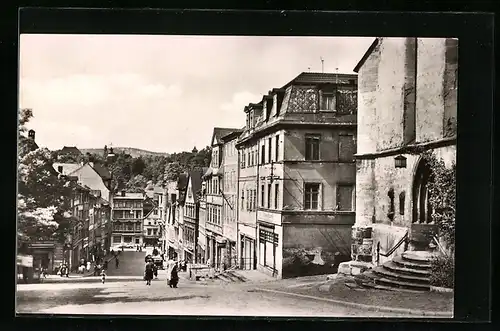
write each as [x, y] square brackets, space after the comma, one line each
[31, 134]
[123, 193]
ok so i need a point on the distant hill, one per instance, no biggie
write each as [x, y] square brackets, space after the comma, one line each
[134, 152]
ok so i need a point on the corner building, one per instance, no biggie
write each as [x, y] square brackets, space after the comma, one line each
[297, 176]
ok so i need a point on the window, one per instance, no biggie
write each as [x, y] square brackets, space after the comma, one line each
[346, 148]
[277, 148]
[269, 195]
[311, 196]
[269, 154]
[402, 203]
[242, 199]
[254, 199]
[276, 195]
[345, 197]
[248, 201]
[263, 154]
[328, 101]
[312, 147]
[117, 239]
[262, 196]
[149, 232]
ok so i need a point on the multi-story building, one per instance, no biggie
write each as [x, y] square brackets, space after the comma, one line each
[213, 178]
[229, 193]
[153, 222]
[81, 203]
[191, 216]
[178, 218]
[127, 219]
[299, 141]
[247, 190]
[171, 238]
[407, 105]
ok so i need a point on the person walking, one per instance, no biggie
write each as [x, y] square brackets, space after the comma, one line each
[117, 262]
[174, 276]
[148, 272]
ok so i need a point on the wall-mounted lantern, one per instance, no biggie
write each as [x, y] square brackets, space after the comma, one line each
[400, 161]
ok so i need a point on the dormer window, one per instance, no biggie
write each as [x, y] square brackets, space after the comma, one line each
[60, 169]
[328, 101]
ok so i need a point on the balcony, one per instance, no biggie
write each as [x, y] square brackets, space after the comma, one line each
[137, 231]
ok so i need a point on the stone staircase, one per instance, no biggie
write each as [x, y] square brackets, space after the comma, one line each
[231, 276]
[408, 272]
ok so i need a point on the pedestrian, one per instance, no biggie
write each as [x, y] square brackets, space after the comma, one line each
[155, 270]
[105, 265]
[88, 266]
[148, 272]
[103, 275]
[174, 276]
[117, 263]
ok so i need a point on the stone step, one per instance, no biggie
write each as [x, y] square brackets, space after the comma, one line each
[390, 288]
[406, 271]
[238, 277]
[223, 278]
[371, 279]
[418, 256]
[385, 273]
[411, 264]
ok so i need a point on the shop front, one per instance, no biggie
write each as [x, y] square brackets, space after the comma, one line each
[268, 246]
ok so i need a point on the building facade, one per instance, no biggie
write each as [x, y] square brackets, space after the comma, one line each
[127, 219]
[215, 252]
[230, 197]
[304, 136]
[407, 105]
[191, 216]
[171, 237]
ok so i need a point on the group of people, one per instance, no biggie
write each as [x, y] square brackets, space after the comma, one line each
[151, 271]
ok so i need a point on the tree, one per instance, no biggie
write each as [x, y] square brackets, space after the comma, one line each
[442, 196]
[138, 166]
[173, 171]
[43, 196]
[136, 184]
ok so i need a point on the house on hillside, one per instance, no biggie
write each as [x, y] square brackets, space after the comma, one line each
[69, 152]
[214, 200]
[407, 105]
[297, 176]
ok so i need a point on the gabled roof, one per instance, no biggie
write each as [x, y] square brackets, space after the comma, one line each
[196, 181]
[318, 78]
[182, 184]
[219, 133]
[233, 135]
[67, 168]
[70, 150]
[366, 55]
[102, 171]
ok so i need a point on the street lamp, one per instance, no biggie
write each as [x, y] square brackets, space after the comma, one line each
[400, 161]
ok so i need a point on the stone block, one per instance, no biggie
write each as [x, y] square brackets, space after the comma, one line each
[344, 268]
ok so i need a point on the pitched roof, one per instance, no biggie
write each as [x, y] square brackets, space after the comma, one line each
[366, 55]
[318, 77]
[221, 132]
[70, 150]
[67, 168]
[232, 135]
[102, 171]
[196, 181]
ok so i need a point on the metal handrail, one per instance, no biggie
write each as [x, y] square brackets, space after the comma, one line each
[404, 240]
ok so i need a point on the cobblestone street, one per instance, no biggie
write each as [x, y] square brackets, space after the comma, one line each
[135, 298]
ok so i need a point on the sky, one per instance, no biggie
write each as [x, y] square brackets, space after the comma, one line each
[160, 93]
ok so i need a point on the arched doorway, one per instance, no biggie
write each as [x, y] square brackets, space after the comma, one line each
[422, 210]
[422, 227]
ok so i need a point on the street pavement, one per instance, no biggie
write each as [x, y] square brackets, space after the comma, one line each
[190, 298]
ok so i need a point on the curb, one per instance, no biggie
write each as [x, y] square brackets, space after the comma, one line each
[368, 307]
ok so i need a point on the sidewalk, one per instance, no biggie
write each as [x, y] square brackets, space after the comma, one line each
[415, 304]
